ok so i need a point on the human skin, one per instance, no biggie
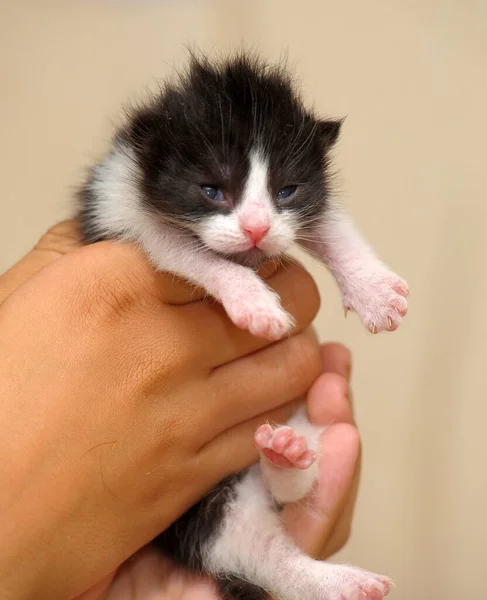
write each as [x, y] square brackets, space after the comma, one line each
[126, 397]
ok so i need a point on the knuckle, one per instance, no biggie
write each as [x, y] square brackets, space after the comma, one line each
[301, 295]
[304, 362]
[112, 281]
[61, 238]
[157, 367]
[109, 297]
[342, 538]
[308, 354]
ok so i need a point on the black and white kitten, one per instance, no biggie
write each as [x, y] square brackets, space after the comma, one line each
[222, 170]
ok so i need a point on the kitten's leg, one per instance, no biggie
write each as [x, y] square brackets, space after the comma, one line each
[253, 546]
[368, 287]
[248, 301]
[236, 535]
[288, 457]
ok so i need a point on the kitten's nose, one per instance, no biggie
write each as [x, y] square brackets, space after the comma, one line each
[256, 232]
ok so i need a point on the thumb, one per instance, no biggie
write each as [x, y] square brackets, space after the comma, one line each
[312, 523]
[59, 240]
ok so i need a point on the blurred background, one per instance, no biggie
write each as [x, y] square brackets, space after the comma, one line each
[411, 78]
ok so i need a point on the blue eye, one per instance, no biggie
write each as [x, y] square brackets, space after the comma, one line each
[286, 192]
[213, 193]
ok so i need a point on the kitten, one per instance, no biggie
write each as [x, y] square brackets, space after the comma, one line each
[223, 170]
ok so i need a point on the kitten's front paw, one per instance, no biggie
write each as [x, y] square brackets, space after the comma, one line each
[379, 299]
[259, 311]
[357, 584]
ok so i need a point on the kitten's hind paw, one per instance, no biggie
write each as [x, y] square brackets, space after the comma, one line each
[284, 448]
[350, 583]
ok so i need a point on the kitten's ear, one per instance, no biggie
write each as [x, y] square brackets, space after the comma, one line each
[142, 125]
[329, 131]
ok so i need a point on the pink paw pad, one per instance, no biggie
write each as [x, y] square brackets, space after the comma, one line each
[283, 447]
[361, 585]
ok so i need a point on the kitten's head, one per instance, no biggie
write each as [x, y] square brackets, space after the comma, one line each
[230, 154]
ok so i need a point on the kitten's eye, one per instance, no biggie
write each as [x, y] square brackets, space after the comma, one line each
[286, 192]
[213, 193]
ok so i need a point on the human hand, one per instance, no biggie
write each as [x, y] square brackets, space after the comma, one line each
[320, 525]
[123, 402]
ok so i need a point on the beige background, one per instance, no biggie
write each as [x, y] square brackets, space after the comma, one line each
[411, 76]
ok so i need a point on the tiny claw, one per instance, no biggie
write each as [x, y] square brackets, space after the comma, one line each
[345, 311]
[374, 329]
[403, 291]
[389, 320]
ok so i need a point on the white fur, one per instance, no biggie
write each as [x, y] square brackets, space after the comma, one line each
[227, 233]
[119, 211]
[256, 209]
[368, 287]
[254, 546]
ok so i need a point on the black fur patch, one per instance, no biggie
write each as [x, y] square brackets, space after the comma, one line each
[186, 539]
[200, 129]
[234, 588]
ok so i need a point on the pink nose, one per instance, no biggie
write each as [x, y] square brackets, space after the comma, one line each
[256, 232]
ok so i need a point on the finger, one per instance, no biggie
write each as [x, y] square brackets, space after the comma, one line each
[328, 400]
[261, 381]
[225, 342]
[312, 522]
[341, 531]
[58, 241]
[337, 358]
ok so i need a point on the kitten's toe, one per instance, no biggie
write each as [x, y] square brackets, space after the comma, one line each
[356, 584]
[379, 300]
[284, 448]
[272, 325]
[261, 314]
